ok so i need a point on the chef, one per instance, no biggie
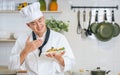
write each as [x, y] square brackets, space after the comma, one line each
[30, 51]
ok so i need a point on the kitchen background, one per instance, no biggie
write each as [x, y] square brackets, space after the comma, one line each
[90, 53]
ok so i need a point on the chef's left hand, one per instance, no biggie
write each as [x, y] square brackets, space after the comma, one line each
[57, 56]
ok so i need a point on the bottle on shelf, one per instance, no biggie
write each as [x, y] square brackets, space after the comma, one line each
[53, 5]
[42, 5]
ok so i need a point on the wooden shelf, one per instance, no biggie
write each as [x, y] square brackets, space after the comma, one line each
[7, 40]
[8, 11]
[16, 11]
[52, 11]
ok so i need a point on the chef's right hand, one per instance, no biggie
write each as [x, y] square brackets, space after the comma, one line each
[32, 45]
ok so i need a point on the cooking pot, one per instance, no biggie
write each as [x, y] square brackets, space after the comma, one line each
[104, 30]
[99, 72]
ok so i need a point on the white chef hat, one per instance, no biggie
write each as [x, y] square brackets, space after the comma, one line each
[31, 12]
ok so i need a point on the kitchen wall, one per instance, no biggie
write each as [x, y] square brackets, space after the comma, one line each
[89, 52]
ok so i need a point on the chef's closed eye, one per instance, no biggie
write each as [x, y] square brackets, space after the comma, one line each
[40, 20]
[36, 21]
[33, 23]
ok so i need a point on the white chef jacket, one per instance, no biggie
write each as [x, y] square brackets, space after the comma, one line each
[42, 65]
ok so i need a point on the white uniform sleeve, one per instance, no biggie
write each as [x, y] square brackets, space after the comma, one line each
[68, 57]
[14, 63]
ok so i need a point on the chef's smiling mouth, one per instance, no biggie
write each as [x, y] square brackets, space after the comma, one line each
[40, 28]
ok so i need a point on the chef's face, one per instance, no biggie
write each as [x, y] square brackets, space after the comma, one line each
[38, 25]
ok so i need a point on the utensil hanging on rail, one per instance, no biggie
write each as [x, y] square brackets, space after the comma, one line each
[79, 25]
[88, 31]
[83, 30]
[94, 25]
[116, 26]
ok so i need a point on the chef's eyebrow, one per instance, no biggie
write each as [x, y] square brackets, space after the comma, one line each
[39, 18]
[32, 22]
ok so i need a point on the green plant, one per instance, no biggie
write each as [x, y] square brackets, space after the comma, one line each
[57, 25]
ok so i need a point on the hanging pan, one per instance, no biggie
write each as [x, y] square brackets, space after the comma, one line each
[116, 26]
[104, 30]
[94, 25]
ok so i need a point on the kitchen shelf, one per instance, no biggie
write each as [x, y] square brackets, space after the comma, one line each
[9, 11]
[7, 40]
[51, 11]
[16, 11]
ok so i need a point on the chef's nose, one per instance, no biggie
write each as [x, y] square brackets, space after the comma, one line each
[38, 23]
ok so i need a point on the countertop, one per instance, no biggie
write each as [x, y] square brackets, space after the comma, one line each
[5, 71]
